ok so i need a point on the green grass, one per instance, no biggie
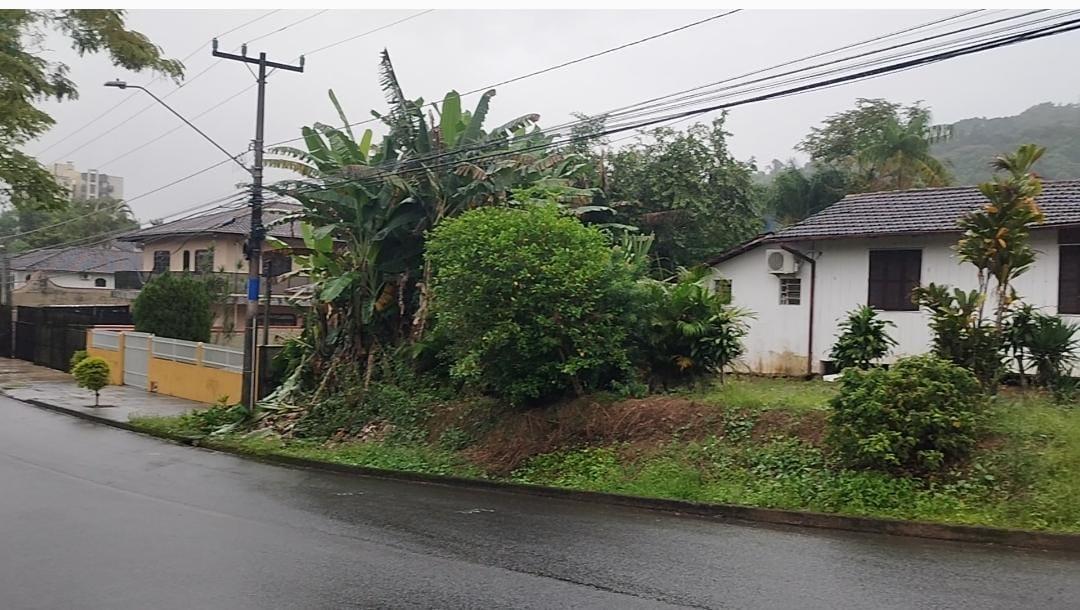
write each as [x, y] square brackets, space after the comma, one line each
[1025, 474]
[764, 393]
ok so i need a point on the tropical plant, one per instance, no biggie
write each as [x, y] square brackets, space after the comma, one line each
[961, 335]
[997, 236]
[863, 339]
[919, 415]
[92, 373]
[27, 79]
[690, 330]
[532, 302]
[174, 306]
[1017, 334]
[1052, 345]
[901, 157]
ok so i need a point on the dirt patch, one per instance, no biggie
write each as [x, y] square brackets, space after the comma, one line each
[808, 426]
[641, 423]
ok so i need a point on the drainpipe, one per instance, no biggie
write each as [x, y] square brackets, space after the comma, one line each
[810, 316]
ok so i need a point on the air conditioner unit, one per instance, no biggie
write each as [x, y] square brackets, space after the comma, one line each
[781, 261]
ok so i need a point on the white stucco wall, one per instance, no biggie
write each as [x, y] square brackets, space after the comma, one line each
[777, 341]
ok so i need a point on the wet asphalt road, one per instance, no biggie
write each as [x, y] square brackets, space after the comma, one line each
[93, 517]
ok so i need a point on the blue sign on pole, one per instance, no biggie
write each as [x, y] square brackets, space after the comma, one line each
[253, 289]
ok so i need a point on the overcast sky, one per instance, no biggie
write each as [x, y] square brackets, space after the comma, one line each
[465, 50]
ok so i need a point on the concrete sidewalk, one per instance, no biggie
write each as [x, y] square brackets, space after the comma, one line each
[24, 381]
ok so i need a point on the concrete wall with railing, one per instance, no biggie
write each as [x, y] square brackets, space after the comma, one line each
[185, 369]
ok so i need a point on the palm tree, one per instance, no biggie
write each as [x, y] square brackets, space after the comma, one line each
[901, 158]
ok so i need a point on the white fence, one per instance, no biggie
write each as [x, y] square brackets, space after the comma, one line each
[176, 349]
[223, 358]
[105, 339]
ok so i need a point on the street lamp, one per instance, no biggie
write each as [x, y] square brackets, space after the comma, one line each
[119, 84]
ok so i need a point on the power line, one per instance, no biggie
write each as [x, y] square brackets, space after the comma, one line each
[1053, 30]
[282, 29]
[560, 66]
[130, 97]
[378, 29]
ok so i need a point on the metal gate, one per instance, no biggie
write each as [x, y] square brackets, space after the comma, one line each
[136, 359]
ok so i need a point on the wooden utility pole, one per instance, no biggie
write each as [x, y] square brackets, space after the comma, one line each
[253, 248]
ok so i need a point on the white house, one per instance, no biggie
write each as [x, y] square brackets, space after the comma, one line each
[874, 248]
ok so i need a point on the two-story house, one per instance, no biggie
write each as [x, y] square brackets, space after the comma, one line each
[212, 245]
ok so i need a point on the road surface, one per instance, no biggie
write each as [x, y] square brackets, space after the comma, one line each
[94, 517]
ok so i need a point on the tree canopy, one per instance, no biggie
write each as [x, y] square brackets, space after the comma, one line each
[26, 79]
[689, 190]
[881, 145]
[82, 218]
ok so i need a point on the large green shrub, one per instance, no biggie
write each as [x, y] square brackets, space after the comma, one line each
[531, 302]
[961, 336]
[174, 306]
[92, 373]
[918, 415]
[863, 339]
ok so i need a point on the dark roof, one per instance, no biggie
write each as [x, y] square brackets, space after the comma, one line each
[230, 222]
[99, 260]
[921, 211]
[738, 249]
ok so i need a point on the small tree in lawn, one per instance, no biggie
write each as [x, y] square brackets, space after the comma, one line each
[92, 373]
[997, 236]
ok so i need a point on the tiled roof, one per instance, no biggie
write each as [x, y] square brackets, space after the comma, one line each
[100, 260]
[921, 211]
[231, 222]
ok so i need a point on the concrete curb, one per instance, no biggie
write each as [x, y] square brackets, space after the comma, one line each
[1026, 539]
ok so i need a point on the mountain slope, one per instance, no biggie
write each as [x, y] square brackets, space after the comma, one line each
[976, 141]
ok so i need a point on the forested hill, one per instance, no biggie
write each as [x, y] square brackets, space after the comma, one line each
[976, 141]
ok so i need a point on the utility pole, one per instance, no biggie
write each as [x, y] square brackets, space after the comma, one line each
[253, 248]
[7, 305]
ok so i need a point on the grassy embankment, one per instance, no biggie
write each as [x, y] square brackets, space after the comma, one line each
[757, 442]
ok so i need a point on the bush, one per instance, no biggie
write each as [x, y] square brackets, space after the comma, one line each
[919, 415]
[174, 306]
[531, 302]
[92, 373]
[1052, 346]
[863, 339]
[960, 336]
[76, 358]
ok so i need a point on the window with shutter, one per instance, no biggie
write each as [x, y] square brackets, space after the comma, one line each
[161, 260]
[1069, 279]
[893, 275]
[204, 261]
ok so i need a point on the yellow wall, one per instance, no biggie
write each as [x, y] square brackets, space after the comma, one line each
[191, 381]
[115, 360]
[194, 382]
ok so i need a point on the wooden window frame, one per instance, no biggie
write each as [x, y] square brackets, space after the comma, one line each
[891, 276]
[1069, 279]
[722, 288]
[200, 260]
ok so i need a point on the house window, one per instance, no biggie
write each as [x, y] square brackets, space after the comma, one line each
[204, 261]
[187, 260]
[893, 275]
[1069, 279]
[790, 291]
[161, 260]
[282, 319]
[275, 264]
[722, 289]
[99, 282]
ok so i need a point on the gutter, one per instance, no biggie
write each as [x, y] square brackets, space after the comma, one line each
[810, 316]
